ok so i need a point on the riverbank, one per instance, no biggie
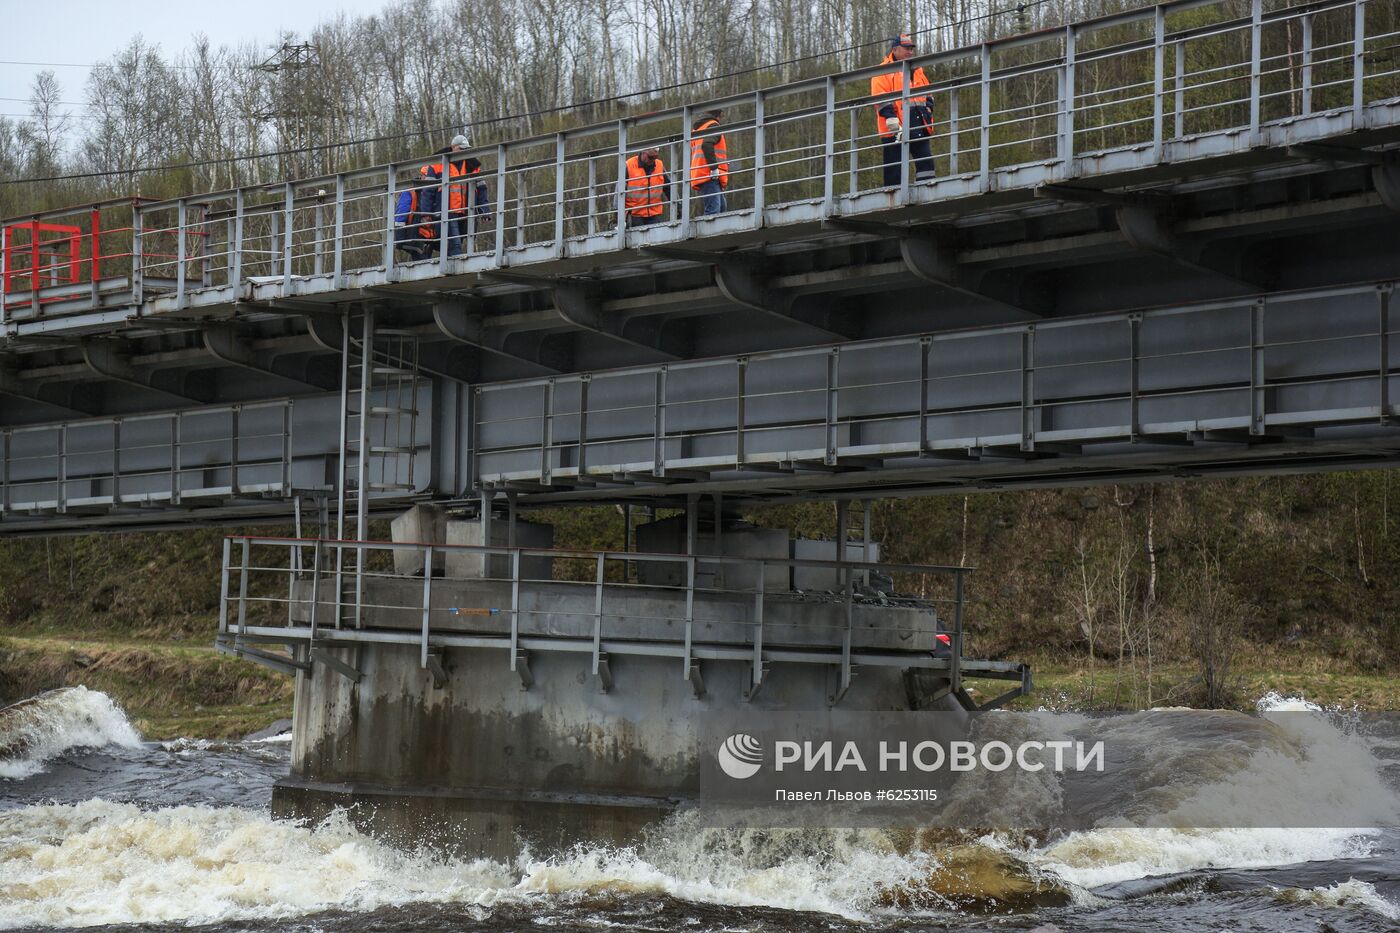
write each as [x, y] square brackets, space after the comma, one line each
[168, 689]
[184, 689]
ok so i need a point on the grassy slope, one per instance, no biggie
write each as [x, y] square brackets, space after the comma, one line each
[1310, 561]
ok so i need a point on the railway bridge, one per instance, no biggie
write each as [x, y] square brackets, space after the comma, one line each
[1159, 244]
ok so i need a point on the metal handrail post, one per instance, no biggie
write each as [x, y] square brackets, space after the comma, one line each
[829, 152]
[180, 250]
[955, 661]
[758, 625]
[1358, 75]
[597, 615]
[514, 603]
[235, 274]
[177, 456]
[906, 75]
[1158, 64]
[427, 601]
[243, 591]
[223, 588]
[1028, 406]
[1257, 375]
[853, 154]
[1307, 76]
[620, 199]
[136, 255]
[338, 247]
[315, 584]
[444, 221]
[689, 612]
[686, 146]
[1068, 96]
[391, 209]
[658, 423]
[1256, 30]
[560, 202]
[1383, 294]
[500, 204]
[985, 130]
[592, 211]
[760, 173]
[289, 228]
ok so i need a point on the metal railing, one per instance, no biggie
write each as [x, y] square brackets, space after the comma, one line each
[1258, 367]
[1160, 84]
[161, 458]
[689, 607]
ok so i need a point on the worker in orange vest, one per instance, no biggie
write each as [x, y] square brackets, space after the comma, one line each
[457, 193]
[456, 197]
[709, 162]
[891, 120]
[478, 197]
[416, 218]
[645, 198]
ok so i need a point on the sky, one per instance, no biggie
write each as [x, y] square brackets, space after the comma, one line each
[80, 32]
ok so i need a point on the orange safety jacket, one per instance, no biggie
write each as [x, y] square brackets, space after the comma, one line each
[425, 231]
[456, 194]
[892, 82]
[700, 167]
[646, 193]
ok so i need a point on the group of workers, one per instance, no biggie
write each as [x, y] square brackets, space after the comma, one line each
[418, 212]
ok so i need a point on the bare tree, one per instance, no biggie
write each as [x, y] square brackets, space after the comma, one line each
[1215, 617]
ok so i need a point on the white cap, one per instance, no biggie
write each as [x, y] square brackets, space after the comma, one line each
[461, 141]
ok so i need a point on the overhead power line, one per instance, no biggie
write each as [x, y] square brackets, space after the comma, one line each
[1018, 10]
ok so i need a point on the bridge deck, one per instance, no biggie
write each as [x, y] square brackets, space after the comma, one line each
[1102, 193]
[1132, 97]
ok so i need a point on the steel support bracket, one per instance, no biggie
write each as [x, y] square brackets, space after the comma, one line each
[756, 681]
[580, 303]
[1156, 200]
[1343, 155]
[437, 667]
[222, 341]
[1151, 231]
[696, 680]
[11, 385]
[110, 362]
[744, 285]
[844, 674]
[323, 656]
[1386, 178]
[603, 669]
[934, 258]
[522, 668]
[461, 320]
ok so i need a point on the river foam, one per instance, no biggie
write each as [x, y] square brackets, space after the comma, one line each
[101, 862]
[46, 726]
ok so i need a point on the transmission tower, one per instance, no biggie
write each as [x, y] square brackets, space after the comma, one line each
[292, 105]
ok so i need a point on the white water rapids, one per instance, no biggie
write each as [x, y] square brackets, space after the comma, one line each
[99, 862]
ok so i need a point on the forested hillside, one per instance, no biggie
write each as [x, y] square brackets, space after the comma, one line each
[1134, 587]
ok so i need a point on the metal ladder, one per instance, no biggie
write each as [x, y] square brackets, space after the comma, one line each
[379, 436]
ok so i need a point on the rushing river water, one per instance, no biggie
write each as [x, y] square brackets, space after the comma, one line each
[99, 829]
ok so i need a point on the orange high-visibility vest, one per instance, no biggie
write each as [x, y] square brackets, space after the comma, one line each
[646, 193]
[425, 231]
[699, 168]
[456, 194]
[891, 82]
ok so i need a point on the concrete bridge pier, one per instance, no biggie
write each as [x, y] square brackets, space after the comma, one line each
[445, 742]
